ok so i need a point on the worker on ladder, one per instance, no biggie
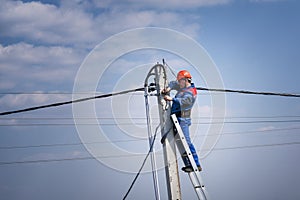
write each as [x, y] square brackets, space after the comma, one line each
[182, 105]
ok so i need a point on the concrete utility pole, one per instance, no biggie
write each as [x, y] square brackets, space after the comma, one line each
[158, 72]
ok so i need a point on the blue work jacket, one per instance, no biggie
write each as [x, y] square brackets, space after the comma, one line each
[184, 99]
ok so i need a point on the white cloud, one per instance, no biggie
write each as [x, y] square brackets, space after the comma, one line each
[178, 4]
[158, 4]
[72, 26]
[75, 24]
[116, 21]
[30, 54]
[22, 64]
[14, 101]
[45, 23]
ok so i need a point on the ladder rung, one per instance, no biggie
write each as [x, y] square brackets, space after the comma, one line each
[199, 186]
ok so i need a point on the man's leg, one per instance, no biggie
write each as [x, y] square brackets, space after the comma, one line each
[184, 124]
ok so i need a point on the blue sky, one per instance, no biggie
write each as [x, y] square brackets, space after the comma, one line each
[253, 43]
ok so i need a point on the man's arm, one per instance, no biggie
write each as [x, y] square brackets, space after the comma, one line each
[173, 85]
[185, 101]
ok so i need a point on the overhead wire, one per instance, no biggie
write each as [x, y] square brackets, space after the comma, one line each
[70, 144]
[144, 123]
[139, 140]
[142, 89]
[66, 159]
[256, 146]
[137, 155]
[71, 102]
[249, 92]
[139, 118]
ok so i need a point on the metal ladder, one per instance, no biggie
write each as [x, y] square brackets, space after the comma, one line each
[184, 150]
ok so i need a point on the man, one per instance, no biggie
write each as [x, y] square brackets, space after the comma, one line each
[182, 105]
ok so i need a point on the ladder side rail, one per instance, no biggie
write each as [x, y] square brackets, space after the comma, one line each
[184, 143]
[199, 189]
[183, 147]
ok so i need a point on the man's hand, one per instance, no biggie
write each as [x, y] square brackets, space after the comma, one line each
[168, 98]
[166, 91]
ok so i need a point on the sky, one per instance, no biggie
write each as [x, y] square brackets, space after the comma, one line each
[55, 51]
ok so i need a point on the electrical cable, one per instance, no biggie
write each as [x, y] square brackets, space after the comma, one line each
[236, 91]
[144, 123]
[256, 146]
[249, 92]
[137, 140]
[142, 89]
[135, 155]
[140, 118]
[70, 144]
[142, 166]
[172, 71]
[66, 159]
[72, 101]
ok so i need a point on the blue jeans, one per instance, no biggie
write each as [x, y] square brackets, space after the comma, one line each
[184, 124]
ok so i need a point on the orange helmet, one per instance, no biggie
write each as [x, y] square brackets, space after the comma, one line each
[183, 74]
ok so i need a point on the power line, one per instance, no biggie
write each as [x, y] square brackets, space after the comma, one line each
[70, 144]
[137, 140]
[49, 93]
[71, 102]
[141, 118]
[72, 93]
[67, 159]
[132, 140]
[137, 155]
[142, 89]
[249, 92]
[256, 146]
[254, 131]
[144, 123]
